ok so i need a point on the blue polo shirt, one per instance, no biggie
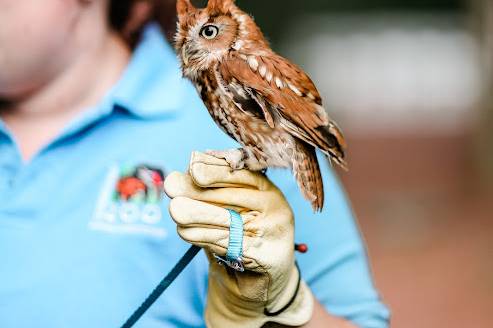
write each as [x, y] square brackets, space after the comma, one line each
[85, 234]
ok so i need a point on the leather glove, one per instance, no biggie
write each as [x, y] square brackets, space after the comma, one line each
[271, 281]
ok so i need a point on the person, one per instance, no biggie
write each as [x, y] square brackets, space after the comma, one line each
[90, 129]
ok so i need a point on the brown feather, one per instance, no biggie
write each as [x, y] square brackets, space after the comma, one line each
[304, 117]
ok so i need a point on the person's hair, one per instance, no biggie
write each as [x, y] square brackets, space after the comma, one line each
[119, 13]
[164, 12]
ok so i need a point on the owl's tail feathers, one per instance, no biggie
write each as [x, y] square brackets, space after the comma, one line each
[335, 147]
[307, 174]
[339, 161]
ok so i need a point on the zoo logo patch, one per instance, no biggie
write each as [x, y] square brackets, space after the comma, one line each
[130, 202]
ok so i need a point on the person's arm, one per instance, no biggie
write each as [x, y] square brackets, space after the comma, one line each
[321, 318]
[336, 266]
[335, 270]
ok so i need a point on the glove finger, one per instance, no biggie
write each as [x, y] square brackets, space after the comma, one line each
[215, 240]
[180, 185]
[208, 172]
[187, 211]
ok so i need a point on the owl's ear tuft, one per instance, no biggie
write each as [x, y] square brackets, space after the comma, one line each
[223, 6]
[184, 7]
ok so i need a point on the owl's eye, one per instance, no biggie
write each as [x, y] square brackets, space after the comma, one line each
[209, 31]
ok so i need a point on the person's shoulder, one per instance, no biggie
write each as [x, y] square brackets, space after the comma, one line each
[193, 120]
[154, 90]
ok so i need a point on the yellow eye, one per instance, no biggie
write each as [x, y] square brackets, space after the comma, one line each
[209, 32]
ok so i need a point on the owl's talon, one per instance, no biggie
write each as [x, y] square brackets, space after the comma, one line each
[234, 157]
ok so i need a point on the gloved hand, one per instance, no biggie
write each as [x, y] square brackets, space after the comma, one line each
[271, 279]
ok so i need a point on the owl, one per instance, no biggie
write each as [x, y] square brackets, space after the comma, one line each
[260, 99]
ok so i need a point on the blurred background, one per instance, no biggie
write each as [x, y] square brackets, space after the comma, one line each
[410, 83]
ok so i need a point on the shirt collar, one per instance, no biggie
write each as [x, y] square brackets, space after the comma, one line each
[152, 84]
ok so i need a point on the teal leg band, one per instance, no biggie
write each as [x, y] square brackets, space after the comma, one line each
[235, 244]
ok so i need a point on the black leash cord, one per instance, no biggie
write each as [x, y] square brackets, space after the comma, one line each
[163, 285]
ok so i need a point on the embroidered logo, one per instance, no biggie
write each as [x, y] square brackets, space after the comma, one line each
[130, 202]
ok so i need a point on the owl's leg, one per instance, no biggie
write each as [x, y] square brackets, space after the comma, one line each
[236, 158]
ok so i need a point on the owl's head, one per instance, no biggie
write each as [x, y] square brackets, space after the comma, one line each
[205, 36]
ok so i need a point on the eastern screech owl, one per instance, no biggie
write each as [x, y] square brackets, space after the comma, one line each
[267, 104]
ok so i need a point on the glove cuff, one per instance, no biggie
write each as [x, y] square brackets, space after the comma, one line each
[292, 307]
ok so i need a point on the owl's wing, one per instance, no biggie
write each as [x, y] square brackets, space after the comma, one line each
[285, 96]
